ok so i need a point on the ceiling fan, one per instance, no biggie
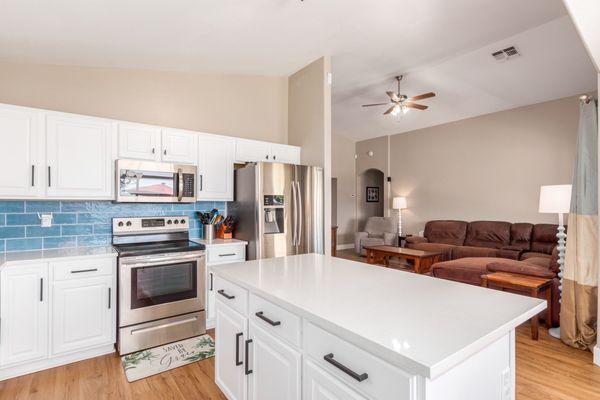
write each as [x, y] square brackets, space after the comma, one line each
[402, 103]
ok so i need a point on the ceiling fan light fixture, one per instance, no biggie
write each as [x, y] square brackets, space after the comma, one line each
[396, 110]
[405, 109]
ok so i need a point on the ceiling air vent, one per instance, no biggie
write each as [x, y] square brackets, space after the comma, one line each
[506, 54]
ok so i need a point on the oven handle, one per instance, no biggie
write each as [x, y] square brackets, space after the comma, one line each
[180, 185]
[153, 328]
[157, 261]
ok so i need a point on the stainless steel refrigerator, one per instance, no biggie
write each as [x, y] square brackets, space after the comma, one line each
[278, 209]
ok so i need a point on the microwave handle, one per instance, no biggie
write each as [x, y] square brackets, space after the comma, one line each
[180, 185]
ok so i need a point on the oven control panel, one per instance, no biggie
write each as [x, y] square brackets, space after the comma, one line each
[134, 225]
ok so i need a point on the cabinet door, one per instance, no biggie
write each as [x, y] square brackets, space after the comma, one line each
[210, 300]
[252, 151]
[231, 334]
[20, 146]
[276, 368]
[319, 385]
[285, 154]
[83, 314]
[215, 167]
[139, 141]
[179, 146]
[79, 157]
[24, 313]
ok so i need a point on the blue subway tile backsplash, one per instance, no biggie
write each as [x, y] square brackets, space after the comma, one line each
[81, 223]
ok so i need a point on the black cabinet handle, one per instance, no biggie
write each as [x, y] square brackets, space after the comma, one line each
[358, 377]
[33, 175]
[41, 289]
[79, 271]
[49, 177]
[267, 156]
[227, 255]
[211, 281]
[165, 152]
[269, 321]
[248, 371]
[153, 150]
[222, 293]
[109, 297]
[237, 349]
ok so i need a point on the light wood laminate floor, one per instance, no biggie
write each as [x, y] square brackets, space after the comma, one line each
[546, 370]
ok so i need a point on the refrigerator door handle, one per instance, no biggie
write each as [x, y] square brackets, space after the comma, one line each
[294, 214]
[300, 213]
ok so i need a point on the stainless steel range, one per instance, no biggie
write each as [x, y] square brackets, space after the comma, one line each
[161, 282]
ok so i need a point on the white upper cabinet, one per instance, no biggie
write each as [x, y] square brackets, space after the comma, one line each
[21, 149]
[24, 313]
[179, 146]
[79, 156]
[256, 151]
[215, 167]
[139, 141]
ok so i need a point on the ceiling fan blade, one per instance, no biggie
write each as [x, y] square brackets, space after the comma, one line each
[416, 106]
[389, 110]
[393, 96]
[376, 104]
[422, 96]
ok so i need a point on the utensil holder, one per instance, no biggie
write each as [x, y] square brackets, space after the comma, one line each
[208, 232]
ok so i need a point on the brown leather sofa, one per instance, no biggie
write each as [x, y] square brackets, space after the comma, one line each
[471, 249]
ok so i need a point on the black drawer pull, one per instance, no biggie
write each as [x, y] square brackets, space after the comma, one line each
[269, 321]
[248, 371]
[358, 377]
[222, 293]
[211, 281]
[227, 255]
[237, 349]
[79, 271]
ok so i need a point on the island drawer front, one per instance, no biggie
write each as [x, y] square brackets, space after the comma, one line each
[383, 381]
[231, 294]
[226, 254]
[276, 320]
[82, 268]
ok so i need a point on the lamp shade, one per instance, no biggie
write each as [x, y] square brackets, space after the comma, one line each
[555, 199]
[399, 203]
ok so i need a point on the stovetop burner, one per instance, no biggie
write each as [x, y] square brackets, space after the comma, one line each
[142, 249]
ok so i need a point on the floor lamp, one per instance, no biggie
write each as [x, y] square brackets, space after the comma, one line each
[399, 203]
[556, 199]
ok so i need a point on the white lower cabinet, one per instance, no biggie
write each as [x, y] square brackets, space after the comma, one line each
[24, 314]
[276, 368]
[40, 300]
[82, 313]
[317, 384]
[232, 328]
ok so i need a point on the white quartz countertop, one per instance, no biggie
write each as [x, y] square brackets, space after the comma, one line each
[55, 254]
[419, 323]
[220, 242]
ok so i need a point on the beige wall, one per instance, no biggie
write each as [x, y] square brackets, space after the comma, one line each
[343, 168]
[489, 167]
[378, 160]
[236, 105]
[309, 125]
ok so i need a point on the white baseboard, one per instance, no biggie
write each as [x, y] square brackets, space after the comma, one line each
[597, 355]
[345, 246]
[39, 365]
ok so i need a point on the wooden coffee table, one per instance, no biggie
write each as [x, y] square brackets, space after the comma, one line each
[423, 259]
[529, 285]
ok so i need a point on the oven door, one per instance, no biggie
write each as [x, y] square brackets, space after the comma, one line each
[161, 286]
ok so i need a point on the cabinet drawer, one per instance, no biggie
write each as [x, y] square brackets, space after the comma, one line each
[225, 254]
[231, 294]
[276, 320]
[82, 268]
[372, 376]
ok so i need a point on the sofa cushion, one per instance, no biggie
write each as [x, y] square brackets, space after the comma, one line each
[539, 261]
[446, 232]
[520, 235]
[493, 234]
[471, 251]
[533, 254]
[466, 270]
[543, 238]
[519, 267]
[445, 249]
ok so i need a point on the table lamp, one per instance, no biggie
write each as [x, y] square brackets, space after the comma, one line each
[556, 199]
[399, 203]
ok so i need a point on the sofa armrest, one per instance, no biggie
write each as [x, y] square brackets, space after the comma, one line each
[390, 239]
[510, 252]
[358, 236]
[416, 239]
[520, 267]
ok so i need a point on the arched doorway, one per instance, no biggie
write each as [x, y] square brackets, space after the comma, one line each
[370, 197]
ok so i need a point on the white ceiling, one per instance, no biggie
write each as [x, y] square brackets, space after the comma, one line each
[435, 41]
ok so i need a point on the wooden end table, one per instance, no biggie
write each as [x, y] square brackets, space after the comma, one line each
[423, 259]
[529, 285]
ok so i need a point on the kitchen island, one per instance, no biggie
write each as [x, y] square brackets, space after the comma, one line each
[316, 327]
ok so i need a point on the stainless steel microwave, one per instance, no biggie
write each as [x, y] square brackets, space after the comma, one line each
[154, 182]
